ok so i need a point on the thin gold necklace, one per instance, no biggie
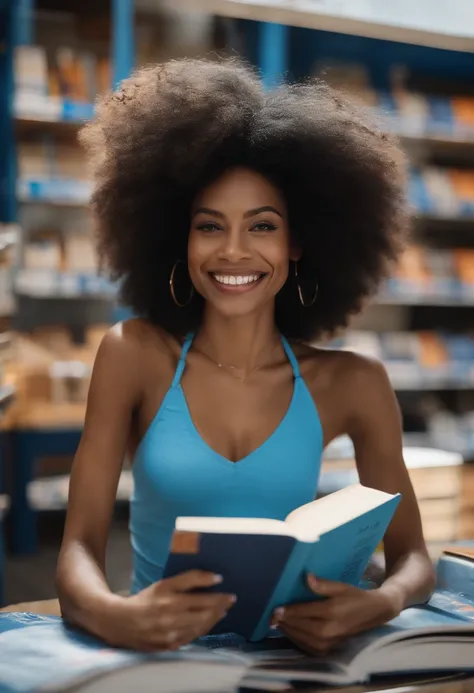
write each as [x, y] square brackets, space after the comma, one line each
[232, 370]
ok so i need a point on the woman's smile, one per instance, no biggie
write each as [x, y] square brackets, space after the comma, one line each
[230, 283]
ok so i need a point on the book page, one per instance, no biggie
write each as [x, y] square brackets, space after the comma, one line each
[178, 676]
[311, 520]
[233, 525]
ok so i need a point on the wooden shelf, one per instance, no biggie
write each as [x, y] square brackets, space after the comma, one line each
[44, 415]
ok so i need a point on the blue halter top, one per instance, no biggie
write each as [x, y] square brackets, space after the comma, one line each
[176, 473]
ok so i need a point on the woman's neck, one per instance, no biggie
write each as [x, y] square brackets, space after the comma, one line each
[244, 342]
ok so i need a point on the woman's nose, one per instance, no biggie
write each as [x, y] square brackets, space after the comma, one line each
[234, 247]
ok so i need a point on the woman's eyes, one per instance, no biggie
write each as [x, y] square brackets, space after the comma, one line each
[263, 226]
[210, 227]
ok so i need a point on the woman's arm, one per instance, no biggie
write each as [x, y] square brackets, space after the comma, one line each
[372, 419]
[376, 432]
[114, 393]
[167, 614]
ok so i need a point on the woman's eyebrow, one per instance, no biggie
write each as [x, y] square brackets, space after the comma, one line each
[208, 210]
[259, 210]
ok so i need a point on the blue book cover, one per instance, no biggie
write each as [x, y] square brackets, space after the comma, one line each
[455, 572]
[266, 562]
[440, 115]
[418, 194]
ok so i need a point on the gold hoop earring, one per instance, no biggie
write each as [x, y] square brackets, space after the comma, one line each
[173, 293]
[300, 292]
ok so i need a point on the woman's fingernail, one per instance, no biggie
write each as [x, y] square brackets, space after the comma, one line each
[218, 579]
[274, 626]
[313, 581]
[233, 598]
[279, 613]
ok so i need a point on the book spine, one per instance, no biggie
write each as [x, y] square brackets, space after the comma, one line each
[293, 571]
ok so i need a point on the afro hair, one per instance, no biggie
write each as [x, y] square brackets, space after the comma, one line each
[171, 129]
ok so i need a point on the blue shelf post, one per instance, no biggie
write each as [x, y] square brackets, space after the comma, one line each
[24, 22]
[28, 446]
[123, 51]
[273, 53]
[19, 23]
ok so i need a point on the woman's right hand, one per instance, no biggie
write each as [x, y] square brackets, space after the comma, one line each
[168, 614]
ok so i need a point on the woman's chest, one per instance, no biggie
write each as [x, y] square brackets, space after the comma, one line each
[177, 469]
[232, 417]
[236, 418]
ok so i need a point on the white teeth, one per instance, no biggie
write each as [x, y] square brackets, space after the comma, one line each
[236, 280]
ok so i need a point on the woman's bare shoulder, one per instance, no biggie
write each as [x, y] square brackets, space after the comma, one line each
[132, 342]
[342, 368]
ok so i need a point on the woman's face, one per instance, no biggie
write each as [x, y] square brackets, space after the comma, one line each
[239, 242]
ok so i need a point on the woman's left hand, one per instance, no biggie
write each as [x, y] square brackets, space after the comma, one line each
[319, 626]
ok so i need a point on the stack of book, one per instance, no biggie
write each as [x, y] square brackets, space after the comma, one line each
[417, 360]
[408, 112]
[429, 275]
[52, 171]
[436, 476]
[442, 192]
[58, 85]
[56, 264]
[9, 238]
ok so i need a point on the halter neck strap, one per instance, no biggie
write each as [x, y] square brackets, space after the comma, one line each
[182, 359]
[189, 340]
[291, 357]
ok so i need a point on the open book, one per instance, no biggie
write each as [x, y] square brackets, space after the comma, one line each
[422, 640]
[266, 562]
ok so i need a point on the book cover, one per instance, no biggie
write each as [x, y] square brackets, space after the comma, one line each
[462, 182]
[443, 200]
[464, 261]
[440, 115]
[441, 266]
[419, 195]
[412, 274]
[463, 113]
[251, 565]
[412, 112]
[455, 573]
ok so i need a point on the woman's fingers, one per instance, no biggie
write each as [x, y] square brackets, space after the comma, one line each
[198, 602]
[191, 580]
[308, 640]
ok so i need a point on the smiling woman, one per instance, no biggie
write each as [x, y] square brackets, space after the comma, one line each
[242, 223]
[239, 244]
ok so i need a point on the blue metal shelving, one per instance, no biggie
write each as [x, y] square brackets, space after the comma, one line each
[17, 23]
